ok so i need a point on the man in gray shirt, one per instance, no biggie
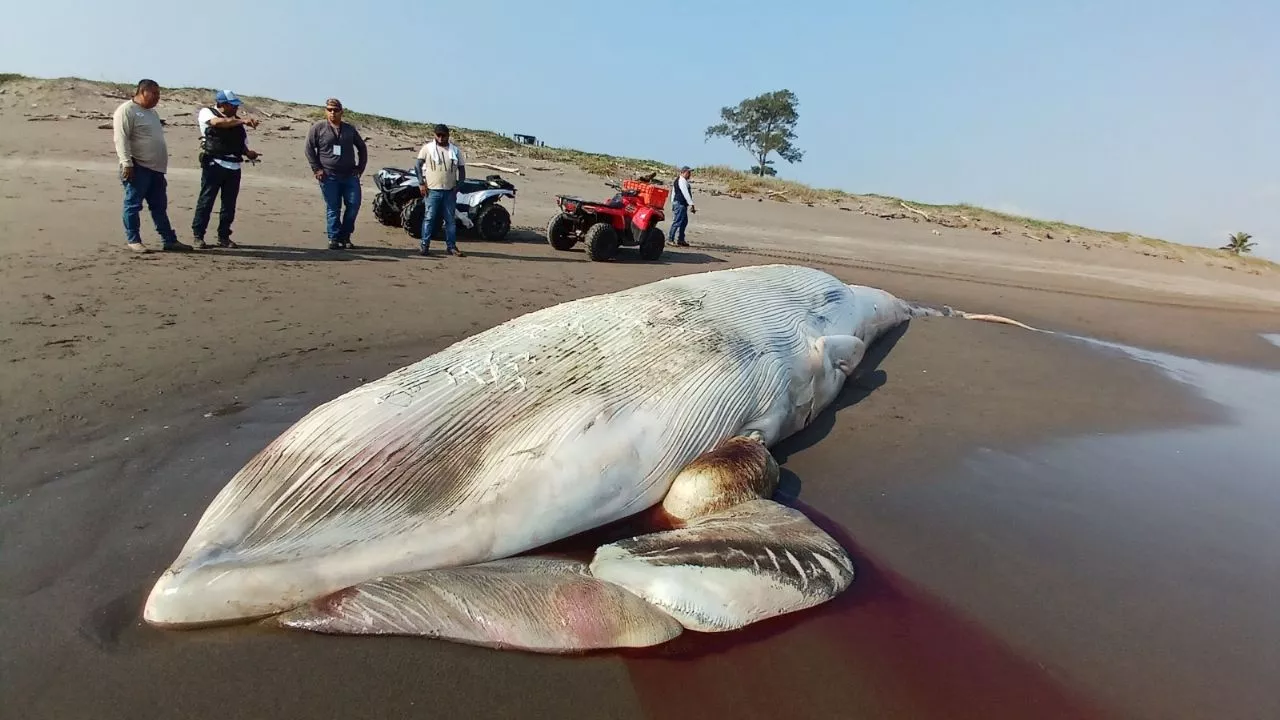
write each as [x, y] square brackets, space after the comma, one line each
[332, 148]
[144, 160]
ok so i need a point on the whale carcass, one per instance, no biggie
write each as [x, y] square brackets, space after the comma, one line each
[402, 506]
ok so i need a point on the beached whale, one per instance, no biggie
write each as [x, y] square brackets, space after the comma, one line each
[398, 507]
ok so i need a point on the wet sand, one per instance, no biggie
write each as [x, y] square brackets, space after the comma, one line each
[987, 587]
[1042, 528]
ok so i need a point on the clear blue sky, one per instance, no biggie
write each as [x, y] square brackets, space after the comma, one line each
[1154, 117]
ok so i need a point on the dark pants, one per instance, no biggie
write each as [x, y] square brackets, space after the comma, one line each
[152, 187]
[214, 179]
[679, 221]
[339, 190]
[441, 208]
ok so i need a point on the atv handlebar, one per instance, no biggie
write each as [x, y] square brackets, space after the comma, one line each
[625, 193]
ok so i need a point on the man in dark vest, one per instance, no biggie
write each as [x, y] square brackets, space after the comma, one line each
[681, 206]
[223, 146]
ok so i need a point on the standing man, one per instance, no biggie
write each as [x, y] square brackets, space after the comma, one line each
[681, 206]
[331, 148]
[144, 160]
[224, 145]
[445, 168]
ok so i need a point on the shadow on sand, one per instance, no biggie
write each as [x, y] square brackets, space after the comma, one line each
[670, 256]
[368, 253]
[866, 379]
[474, 248]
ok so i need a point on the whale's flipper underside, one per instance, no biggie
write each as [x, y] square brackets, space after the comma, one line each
[736, 565]
[535, 603]
[724, 571]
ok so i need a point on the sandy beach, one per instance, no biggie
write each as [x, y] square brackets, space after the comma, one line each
[134, 386]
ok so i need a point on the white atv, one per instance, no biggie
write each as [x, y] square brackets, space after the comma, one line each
[478, 211]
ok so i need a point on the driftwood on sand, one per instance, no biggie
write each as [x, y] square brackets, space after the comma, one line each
[917, 211]
[499, 168]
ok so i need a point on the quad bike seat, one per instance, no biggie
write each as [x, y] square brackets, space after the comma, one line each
[471, 185]
[614, 202]
[490, 182]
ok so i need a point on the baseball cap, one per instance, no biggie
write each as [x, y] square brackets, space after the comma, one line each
[228, 97]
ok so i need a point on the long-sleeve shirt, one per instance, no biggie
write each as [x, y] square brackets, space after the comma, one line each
[139, 137]
[335, 150]
[686, 195]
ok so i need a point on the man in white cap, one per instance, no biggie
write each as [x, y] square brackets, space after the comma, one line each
[224, 145]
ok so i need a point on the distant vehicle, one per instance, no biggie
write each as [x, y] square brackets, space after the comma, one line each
[630, 218]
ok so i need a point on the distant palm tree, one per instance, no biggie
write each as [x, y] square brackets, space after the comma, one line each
[1238, 243]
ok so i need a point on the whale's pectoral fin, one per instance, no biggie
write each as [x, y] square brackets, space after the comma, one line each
[535, 603]
[750, 562]
[841, 352]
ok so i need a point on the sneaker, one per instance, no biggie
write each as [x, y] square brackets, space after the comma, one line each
[424, 252]
[202, 245]
[176, 245]
[335, 245]
[137, 247]
[457, 251]
[227, 243]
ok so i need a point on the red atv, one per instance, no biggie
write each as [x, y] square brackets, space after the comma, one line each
[630, 218]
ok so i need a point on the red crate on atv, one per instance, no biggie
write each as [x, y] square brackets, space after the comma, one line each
[652, 195]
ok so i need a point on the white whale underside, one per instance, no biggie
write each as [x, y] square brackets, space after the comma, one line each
[550, 424]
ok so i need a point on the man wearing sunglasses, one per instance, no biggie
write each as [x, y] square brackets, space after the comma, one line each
[332, 148]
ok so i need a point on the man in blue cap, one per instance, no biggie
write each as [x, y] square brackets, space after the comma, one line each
[681, 206]
[223, 146]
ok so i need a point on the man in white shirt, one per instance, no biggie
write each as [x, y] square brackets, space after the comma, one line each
[681, 206]
[138, 134]
[224, 145]
[440, 167]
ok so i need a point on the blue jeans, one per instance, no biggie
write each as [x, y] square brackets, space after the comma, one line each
[337, 191]
[679, 221]
[152, 187]
[441, 207]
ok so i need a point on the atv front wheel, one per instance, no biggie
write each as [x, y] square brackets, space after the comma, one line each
[493, 222]
[411, 217]
[652, 242]
[560, 232]
[602, 242]
[384, 211]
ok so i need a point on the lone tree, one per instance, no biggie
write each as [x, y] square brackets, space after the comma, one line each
[762, 125]
[1238, 243]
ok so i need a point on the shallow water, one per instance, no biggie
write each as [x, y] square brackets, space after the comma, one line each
[1121, 575]
[1140, 569]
